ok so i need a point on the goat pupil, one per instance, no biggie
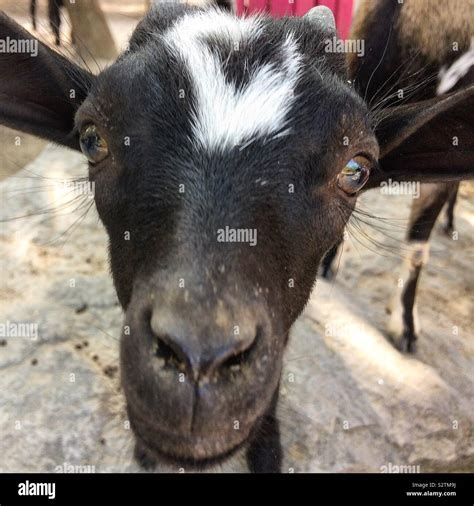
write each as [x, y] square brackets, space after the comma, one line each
[353, 168]
[353, 176]
[93, 145]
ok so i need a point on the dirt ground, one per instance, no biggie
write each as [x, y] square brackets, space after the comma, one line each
[349, 400]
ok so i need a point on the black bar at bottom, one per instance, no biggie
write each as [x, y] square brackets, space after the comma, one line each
[237, 489]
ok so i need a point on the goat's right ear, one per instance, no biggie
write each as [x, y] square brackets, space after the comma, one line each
[428, 141]
[40, 90]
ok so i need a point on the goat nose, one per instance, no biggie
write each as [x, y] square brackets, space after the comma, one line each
[200, 352]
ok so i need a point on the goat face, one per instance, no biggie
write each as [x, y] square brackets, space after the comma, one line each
[227, 155]
[218, 188]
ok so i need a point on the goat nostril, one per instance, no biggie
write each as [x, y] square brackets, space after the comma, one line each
[177, 347]
[169, 352]
[242, 354]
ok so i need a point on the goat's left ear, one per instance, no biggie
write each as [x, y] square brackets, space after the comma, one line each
[428, 141]
[40, 90]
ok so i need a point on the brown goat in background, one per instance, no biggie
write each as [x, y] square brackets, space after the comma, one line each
[413, 50]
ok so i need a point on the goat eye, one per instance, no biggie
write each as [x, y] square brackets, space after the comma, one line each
[354, 175]
[93, 145]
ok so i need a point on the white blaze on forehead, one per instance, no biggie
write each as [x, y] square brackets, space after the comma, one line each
[225, 115]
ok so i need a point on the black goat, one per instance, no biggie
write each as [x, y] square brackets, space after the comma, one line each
[227, 156]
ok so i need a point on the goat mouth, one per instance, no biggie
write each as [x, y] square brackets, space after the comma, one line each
[179, 456]
[187, 450]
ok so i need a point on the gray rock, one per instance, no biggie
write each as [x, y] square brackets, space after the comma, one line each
[349, 400]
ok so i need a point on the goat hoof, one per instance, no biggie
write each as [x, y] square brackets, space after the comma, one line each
[400, 331]
[143, 457]
[406, 343]
[328, 274]
[403, 339]
[448, 229]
